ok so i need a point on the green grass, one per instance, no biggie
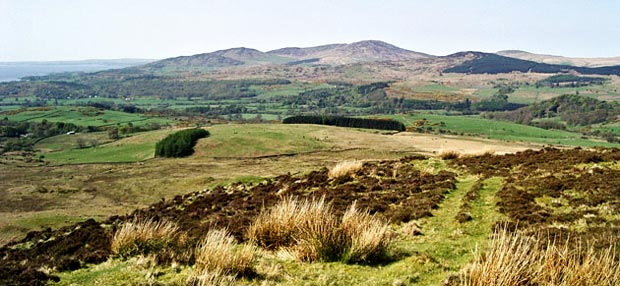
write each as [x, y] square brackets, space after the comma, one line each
[65, 142]
[501, 130]
[82, 116]
[138, 147]
[435, 87]
[249, 140]
[131, 272]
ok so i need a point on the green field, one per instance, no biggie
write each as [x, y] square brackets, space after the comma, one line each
[66, 142]
[82, 116]
[248, 140]
[138, 147]
[501, 130]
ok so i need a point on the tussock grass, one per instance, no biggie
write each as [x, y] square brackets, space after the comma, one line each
[515, 259]
[369, 236]
[147, 236]
[219, 252]
[211, 278]
[449, 155]
[345, 168]
[310, 231]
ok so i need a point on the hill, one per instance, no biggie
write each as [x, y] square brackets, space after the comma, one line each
[482, 63]
[561, 60]
[333, 54]
[358, 52]
[440, 211]
[219, 59]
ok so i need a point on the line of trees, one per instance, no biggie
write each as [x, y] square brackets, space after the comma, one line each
[382, 124]
[179, 144]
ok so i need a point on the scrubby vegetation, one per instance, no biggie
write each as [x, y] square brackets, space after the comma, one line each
[559, 200]
[383, 124]
[179, 144]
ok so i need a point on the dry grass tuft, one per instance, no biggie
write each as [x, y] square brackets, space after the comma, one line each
[146, 236]
[219, 252]
[345, 168]
[514, 259]
[369, 236]
[211, 278]
[310, 231]
[449, 155]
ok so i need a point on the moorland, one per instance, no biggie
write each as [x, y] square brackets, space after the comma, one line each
[507, 153]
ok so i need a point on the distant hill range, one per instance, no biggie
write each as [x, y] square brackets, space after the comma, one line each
[335, 54]
[560, 60]
[360, 61]
[383, 58]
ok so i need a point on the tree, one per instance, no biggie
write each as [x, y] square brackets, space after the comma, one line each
[113, 133]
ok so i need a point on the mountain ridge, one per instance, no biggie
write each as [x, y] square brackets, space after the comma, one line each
[595, 62]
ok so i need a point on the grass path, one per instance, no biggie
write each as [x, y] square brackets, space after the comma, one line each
[448, 245]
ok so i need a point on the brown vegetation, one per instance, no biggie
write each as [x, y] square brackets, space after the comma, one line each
[514, 259]
[311, 231]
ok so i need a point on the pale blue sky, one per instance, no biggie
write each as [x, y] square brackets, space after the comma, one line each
[100, 29]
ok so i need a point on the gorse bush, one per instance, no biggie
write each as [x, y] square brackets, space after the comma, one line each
[311, 231]
[179, 144]
[514, 259]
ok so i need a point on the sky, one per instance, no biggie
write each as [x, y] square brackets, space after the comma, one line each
[39, 30]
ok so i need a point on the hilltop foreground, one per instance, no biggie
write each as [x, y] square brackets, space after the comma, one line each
[439, 210]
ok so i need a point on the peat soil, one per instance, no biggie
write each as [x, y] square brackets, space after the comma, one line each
[396, 190]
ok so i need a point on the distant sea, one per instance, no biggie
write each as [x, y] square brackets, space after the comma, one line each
[10, 71]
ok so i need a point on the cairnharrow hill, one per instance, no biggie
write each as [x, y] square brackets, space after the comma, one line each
[193, 162]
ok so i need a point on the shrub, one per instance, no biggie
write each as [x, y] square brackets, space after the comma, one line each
[219, 252]
[311, 231]
[179, 144]
[515, 259]
[147, 236]
[345, 168]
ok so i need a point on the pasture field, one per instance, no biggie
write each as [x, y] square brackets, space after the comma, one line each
[137, 147]
[82, 116]
[500, 130]
[67, 142]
